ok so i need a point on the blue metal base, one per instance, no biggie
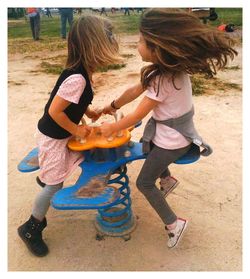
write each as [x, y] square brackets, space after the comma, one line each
[117, 220]
[123, 231]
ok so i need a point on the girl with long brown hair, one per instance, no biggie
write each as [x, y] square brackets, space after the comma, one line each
[178, 45]
[91, 44]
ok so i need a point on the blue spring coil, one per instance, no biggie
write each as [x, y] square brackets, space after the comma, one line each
[121, 210]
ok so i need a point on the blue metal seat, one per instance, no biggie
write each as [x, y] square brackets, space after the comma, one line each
[191, 156]
[29, 162]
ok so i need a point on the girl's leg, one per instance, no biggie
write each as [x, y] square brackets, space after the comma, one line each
[31, 231]
[63, 25]
[42, 201]
[32, 26]
[37, 27]
[70, 19]
[165, 173]
[157, 161]
[167, 182]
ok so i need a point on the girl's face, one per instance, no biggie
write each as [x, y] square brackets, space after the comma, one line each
[146, 53]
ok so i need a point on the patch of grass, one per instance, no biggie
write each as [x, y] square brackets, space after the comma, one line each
[50, 27]
[126, 24]
[229, 85]
[52, 68]
[60, 57]
[20, 38]
[205, 85]
[49, 68]
[232, 68]
[111, 67]
[197, 85]
[228, 15]
[14, 82]
[129, 55]
[29, 46]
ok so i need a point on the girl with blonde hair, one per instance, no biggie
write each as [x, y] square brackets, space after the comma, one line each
[91, 44]
[177, 45]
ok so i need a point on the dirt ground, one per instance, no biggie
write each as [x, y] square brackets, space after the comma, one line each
[209, 195]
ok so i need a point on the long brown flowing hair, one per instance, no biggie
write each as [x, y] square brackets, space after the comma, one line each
[91, 43]
[181, 43]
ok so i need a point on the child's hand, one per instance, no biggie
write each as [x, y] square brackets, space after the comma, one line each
[82, 131]
[107, 129]
[108, 110]
[94, 114]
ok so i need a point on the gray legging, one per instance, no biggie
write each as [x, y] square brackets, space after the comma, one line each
[42, 202]
[155, 166]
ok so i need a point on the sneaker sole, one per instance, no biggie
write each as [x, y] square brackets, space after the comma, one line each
[180, 237]
[170, 189]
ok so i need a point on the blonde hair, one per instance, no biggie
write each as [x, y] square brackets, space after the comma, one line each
[181, 43]
[91, 43]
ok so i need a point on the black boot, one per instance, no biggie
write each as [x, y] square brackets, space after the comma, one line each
[31, 233]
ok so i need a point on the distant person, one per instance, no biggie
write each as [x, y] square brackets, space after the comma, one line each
[34, 16]
[126, 11]
[79, 11]
[139, 10]
[103, 11]
[48, 13]
[212, 14]
[66, 15]
[205, 14]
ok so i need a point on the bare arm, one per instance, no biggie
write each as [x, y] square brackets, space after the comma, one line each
[93, 114]
[56, 111]
[128, 96]
[145, 106]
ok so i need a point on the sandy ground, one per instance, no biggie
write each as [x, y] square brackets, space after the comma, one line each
[209, 194]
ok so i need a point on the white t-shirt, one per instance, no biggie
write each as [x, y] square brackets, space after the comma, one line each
[172, 104]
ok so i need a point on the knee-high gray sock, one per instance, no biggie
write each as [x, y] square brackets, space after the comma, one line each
[42, 201]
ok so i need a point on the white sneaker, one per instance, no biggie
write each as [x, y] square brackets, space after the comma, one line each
[176, 234]
[168, 184]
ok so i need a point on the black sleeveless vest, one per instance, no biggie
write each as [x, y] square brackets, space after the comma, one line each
[75, 112]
